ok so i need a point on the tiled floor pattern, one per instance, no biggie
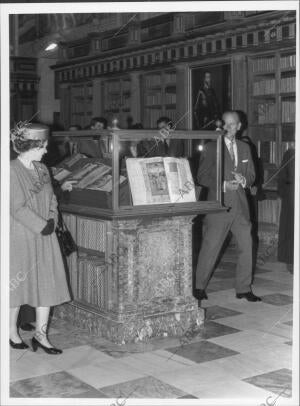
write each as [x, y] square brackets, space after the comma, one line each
[243, 351]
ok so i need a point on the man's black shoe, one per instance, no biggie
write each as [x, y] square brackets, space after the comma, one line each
[27, 327]
[249, 296]
[200, 294]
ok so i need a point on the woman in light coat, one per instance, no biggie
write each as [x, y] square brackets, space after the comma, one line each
[37, 274]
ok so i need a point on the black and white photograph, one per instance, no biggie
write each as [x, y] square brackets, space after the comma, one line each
[150, 203]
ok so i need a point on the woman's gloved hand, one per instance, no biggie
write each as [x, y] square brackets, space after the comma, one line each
[68, 185]
[49, 228]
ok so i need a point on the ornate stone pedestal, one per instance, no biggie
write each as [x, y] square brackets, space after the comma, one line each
[147, 270]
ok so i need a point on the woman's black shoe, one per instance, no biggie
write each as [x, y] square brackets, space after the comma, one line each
[51, 350]
[18, 346]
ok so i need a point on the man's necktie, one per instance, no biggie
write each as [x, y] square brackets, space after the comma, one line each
[231, 152]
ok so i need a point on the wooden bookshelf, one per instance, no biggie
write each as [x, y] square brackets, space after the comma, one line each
[81, 106]
[24, 83]
[117, 99]
[160, 96]
[271, 90]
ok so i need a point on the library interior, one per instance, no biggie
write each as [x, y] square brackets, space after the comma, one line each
[171, 270]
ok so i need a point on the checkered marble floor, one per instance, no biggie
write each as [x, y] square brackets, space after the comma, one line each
[243, 351]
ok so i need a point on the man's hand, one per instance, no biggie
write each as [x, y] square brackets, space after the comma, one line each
[230, 185]
[239, 178]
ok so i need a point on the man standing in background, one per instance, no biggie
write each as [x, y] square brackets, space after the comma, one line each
[238, 173]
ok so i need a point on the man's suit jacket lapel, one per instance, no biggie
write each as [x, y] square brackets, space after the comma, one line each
[239, 146]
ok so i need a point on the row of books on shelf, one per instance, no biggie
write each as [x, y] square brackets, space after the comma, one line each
[82, 91]
[126, 86]
[151, 117]
[117, 85]
[288, 111]
[267, 151]
[170, 98]
[263, 64]
[288, 84]
[153, 99]
[92, 281]
[266, 113]
[79, 107]
[288, 61]
[112, 103]
[114, 86]
[81, 119]
[170, 77]
[153, 80]
[171, 113]
[262, 87]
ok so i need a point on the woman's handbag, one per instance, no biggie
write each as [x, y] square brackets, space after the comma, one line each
[65, 239]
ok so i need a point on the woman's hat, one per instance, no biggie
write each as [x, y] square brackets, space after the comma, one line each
[29, 131]
[36, 132]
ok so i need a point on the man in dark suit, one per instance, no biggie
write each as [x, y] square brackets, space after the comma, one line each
[238, 173]
[164, 145]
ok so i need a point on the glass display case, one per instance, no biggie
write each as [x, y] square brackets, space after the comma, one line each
[140, 172]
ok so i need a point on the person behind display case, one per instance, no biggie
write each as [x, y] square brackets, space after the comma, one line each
[36, 266]
[95, 148]
[238, 173]
[163, 145]
[206, 108]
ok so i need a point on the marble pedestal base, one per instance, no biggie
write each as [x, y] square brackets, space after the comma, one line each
[137, 328]
[148, 280]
